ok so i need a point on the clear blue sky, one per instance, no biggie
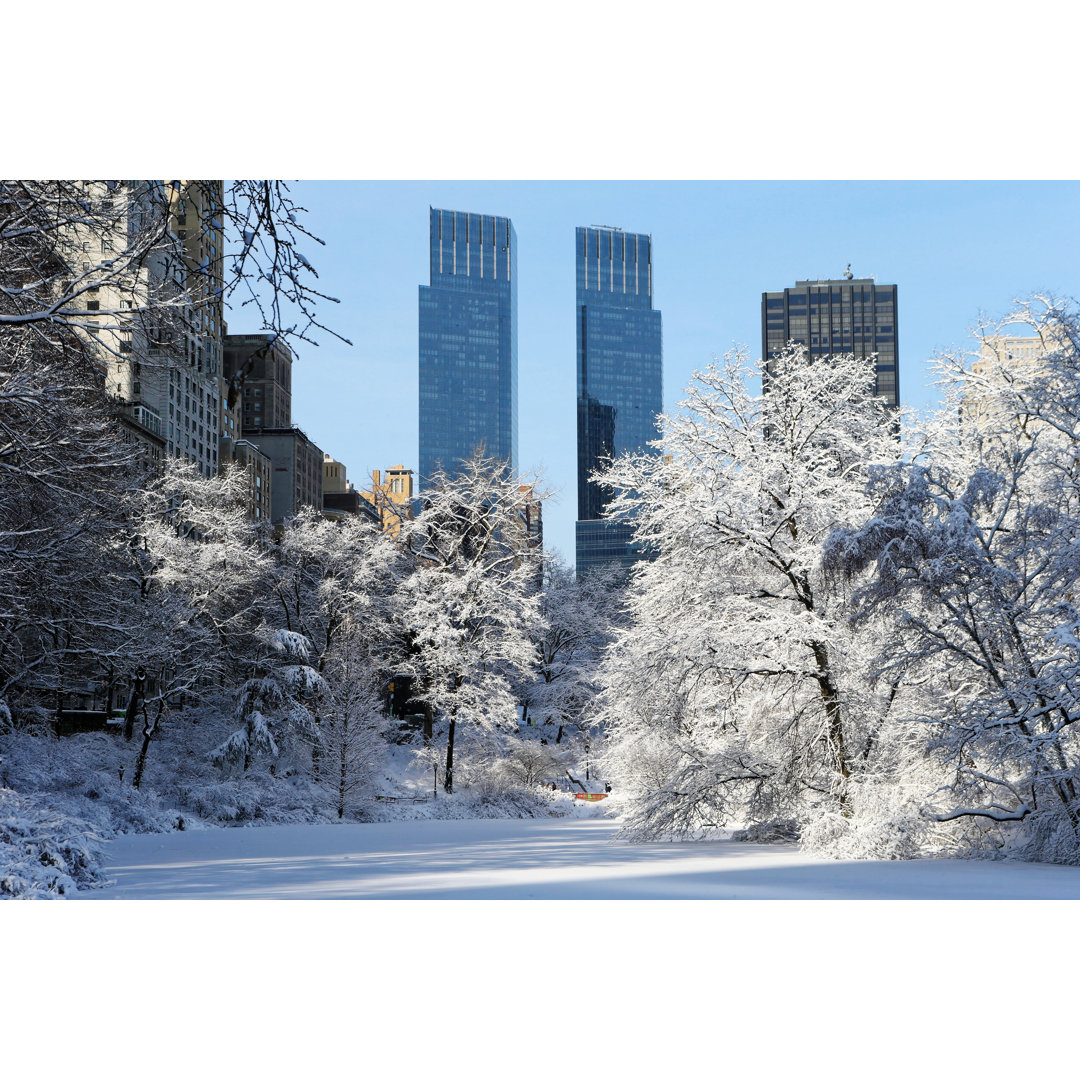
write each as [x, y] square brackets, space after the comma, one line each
[955, 249]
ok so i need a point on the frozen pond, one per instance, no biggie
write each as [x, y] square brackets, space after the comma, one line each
[574, 859]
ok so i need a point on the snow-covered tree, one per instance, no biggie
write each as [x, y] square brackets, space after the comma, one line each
[96, 278]
[972, 542]
[140, 245]
[579, 616]
[352, 720]
[64, 479]
[332, 572]
[197, 571]
[737, 692]
[274, 707]
[334, 583]
[470, 604]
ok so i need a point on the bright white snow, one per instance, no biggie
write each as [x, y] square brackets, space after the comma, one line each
[521, 859]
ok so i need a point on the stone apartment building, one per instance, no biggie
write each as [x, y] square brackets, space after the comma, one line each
[156, 329]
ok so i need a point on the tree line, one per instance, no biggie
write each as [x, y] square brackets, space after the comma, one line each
[860, 630]
[155, 585]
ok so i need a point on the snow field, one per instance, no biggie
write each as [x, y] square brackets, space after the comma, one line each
[572, 859]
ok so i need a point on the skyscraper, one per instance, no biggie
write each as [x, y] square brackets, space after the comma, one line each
[619, 377]
[468, 342]
[848, 315]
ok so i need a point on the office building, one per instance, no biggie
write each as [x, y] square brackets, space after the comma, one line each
[228, 407]
[529, 540]
[297, 469]
[531, 518]
[619, 378]
[340, 497]
[836, 317]
[335, 480]
[468, 342]
[259, 470]
[258, 369]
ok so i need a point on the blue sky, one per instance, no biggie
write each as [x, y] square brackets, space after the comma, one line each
[955, 249]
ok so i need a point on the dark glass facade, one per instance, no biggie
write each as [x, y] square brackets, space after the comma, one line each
[468, 342]
[853, 315]
[619, 377]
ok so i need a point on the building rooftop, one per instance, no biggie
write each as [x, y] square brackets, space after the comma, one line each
[836, 281]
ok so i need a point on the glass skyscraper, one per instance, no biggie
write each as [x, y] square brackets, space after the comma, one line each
[468, 342]
[848, 315]
[619, 377]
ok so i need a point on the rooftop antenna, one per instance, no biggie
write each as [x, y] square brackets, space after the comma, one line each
[848, 275]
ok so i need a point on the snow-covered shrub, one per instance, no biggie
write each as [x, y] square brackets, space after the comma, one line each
[30, 719]
[886, 814]
[896, 835]
[781, 831]
[524, 764]
[80, 776]
[1047, 836]
[257, 799]
[479, 803]
[44, 853]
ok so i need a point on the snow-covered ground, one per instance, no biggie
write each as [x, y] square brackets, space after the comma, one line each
[522, 859]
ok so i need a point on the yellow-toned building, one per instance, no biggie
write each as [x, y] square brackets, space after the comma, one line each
[1003, 359]
[392, 497]
[340, 498]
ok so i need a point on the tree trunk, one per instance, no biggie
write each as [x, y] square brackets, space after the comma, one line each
[149, 727]
[448, 778]
[344, 774]
[138, 685]
[429, 724]
[316, 751]
[834, 721]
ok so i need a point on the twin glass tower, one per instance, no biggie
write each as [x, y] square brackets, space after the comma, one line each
[468, 343]
[620, 390]
[468, 359]
[468, 353]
